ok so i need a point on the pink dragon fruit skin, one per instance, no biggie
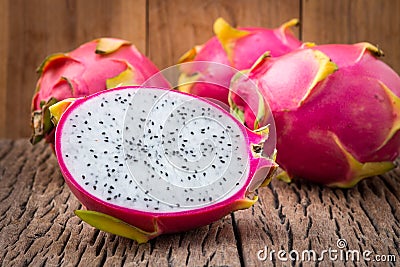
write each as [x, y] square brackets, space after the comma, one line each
[238, 48]
[94, 66]
[144, 225]
[337, 121]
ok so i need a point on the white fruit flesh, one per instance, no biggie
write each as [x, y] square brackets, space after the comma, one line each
[154, 150]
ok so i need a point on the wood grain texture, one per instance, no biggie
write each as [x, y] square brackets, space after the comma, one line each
[3, 64]
[37, 28]
[342, 21]
[304, 217]
[38, 227]
[176, 26]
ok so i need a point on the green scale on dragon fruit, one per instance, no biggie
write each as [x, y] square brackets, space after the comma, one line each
[174, 163]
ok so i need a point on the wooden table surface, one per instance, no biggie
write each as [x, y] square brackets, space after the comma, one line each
[38, 226]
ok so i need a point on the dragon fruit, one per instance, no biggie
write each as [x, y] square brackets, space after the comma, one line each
[175, 163]
[94, 66]
[238, 48]
[336, 109]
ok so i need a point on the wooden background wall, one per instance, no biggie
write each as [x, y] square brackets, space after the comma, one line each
[163, 30]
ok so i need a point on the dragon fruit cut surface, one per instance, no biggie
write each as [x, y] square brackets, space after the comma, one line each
[94, 66]
[336, 109]
[235, 47]
[174, 163]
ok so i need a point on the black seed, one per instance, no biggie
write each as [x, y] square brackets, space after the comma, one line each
[83, 177]
[95, 156]
[94, 187]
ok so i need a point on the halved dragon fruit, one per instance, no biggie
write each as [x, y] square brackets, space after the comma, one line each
[336, 123]
[94, 66]
[148, 161]
[238, 48]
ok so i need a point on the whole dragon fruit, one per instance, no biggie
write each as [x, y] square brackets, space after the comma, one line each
[94, 66]
[238, 48]
[175, 163]
[336, 109]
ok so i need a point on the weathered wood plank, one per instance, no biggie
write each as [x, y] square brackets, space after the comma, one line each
[175, 27]
[120, 19]
[355, 21]
[303, 217]
[37, 28]
[38, 227]
[3, 64]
